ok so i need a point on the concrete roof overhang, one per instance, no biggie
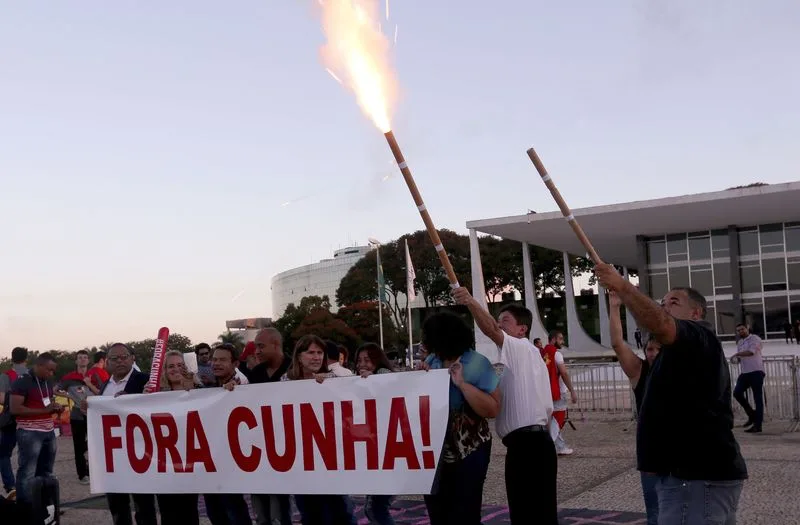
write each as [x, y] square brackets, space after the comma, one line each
[613, 228]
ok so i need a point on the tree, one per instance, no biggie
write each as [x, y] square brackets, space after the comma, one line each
[234, 338]
[501, 260]
[293, 316]
[362, 317]
[324, 324]
[360, 284]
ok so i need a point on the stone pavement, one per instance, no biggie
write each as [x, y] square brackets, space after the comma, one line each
[600, 477]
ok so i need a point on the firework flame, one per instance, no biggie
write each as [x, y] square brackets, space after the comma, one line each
[357, 54]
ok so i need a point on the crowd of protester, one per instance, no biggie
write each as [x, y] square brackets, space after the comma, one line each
[681, 385]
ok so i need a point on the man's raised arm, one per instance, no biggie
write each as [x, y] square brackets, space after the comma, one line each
[629, 361]
[647, 312]
[487, 324]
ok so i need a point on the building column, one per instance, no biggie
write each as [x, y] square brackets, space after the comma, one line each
[641, 260]
[630, 322]
[537, 327]
[605, 324]
[483, 344]
[736, 274]
[578, 339]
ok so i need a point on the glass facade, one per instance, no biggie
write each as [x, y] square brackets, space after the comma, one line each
[768, 274]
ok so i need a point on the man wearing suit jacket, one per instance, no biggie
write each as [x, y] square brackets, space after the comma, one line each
[125, 380]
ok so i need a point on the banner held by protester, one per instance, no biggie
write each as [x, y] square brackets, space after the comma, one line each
[379, 435]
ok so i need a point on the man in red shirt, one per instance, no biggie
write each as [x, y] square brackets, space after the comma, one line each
[97, 376]
[73, 385]
[33, 406]
[560, 386]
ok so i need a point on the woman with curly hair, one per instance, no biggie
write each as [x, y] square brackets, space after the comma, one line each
[457, 492]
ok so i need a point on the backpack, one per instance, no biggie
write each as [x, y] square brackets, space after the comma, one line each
[6, 419]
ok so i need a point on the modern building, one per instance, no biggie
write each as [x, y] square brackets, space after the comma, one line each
[248, 329]
[320, 278]
[739, 247]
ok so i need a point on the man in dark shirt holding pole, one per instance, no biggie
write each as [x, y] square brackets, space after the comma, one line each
[685, 431]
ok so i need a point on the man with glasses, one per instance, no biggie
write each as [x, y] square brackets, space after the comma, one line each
[204, 371]
[125, 380]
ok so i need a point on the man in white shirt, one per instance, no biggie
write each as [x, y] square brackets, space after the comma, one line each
[334, 367]
[748, 353]
[527, 406]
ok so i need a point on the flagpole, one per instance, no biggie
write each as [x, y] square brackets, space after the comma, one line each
[380, 294]
[408, 313]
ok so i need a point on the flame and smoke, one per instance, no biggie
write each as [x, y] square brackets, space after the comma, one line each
[357, 55]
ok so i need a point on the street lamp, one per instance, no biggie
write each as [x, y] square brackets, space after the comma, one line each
[376, 243]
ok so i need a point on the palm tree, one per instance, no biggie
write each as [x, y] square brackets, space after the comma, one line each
[234, 338]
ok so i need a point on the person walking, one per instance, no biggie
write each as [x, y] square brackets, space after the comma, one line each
[748, 353]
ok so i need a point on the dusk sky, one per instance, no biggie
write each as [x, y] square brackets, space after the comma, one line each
[146, 148]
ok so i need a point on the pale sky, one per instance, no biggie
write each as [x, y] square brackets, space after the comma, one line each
[146, 147]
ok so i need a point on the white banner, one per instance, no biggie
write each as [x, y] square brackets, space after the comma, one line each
[379, 435]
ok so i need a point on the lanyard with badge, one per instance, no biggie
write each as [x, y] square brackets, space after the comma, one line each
[45, 399]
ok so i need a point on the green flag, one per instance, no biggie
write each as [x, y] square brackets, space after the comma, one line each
[381, 285]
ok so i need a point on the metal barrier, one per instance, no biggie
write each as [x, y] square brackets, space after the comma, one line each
[603, 387]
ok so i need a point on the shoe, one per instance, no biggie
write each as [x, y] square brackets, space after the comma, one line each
[566, 452]
[748, 423]
[11, 495]
[753, 430]
[84, 480]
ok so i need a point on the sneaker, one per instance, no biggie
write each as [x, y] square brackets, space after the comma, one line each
[566, 452]
[753, 430]
[11, 495]
[84, 480]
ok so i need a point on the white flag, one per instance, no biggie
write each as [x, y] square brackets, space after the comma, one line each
[410, 276]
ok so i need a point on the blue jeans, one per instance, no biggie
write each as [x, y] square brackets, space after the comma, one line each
[377, 510]
[37, 453]
[649, 482]
[8, 440]
[751, 381]
[697, 502]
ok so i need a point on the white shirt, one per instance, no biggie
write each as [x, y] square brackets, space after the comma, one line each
[339, 371]
[241, 377]
[113, 387]
[525, 385]
[561, 384]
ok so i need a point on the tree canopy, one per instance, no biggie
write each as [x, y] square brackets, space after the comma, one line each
[501, 260]
[142, 351]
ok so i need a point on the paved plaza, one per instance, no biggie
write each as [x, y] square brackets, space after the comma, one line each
[597, 485]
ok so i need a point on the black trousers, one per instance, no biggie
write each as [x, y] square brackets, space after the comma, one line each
[227, 509]
[262, 506]
[751, 381]
[144, 508]
[78, 428]
[178, 509]
[531, 471]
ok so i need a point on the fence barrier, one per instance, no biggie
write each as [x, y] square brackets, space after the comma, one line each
[603, 387]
